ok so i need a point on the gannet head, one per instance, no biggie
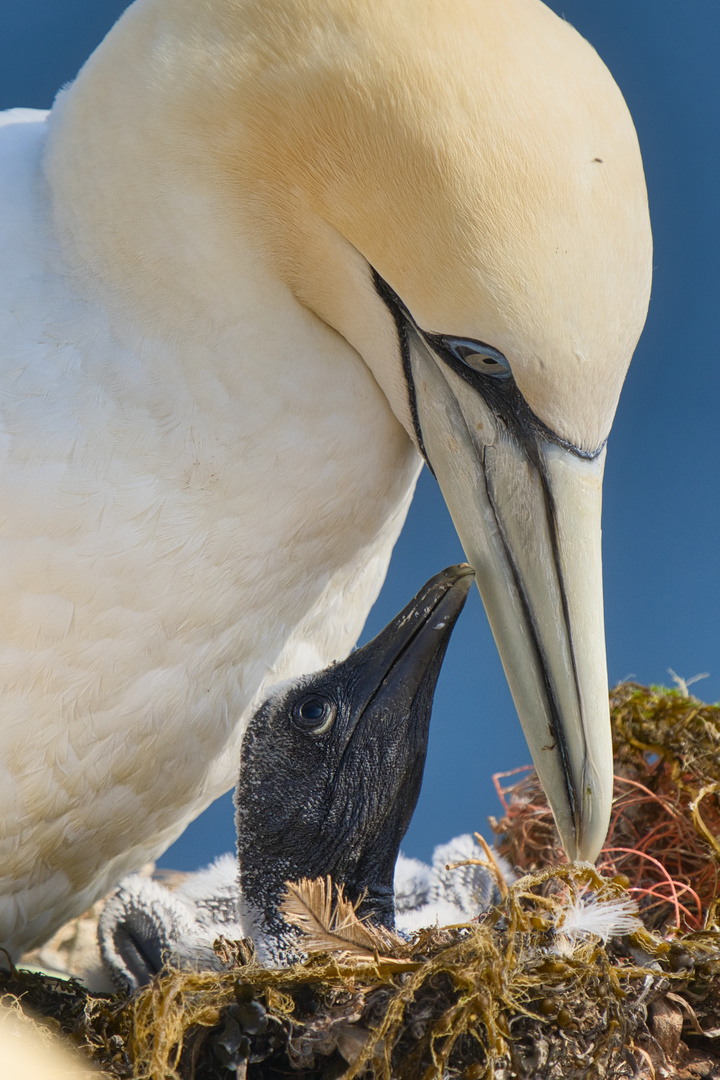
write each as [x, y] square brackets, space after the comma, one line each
[478, 155]
[473, 165]
[455, 187]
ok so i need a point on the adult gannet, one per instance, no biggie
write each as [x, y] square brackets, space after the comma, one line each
[259, 259]
[330, 772]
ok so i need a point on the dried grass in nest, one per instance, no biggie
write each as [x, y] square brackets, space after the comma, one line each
[665, 823]
[510, 996]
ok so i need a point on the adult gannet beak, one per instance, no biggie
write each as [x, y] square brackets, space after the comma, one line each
[527, 511]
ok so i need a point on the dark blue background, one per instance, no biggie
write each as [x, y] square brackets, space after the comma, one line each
[662, 512]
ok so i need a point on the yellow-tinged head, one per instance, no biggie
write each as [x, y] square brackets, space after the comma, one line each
[477, 153]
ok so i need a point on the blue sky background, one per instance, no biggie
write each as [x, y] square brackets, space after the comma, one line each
[662, 510]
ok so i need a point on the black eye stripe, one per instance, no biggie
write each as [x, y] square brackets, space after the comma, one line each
[500, 391]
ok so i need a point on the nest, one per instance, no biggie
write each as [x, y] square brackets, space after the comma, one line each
[523, 992]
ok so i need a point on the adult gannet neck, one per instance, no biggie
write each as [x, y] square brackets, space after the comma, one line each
[330, 773]
[268, 254]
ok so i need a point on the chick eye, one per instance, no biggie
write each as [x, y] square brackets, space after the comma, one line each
[314, 714]
[479, 357]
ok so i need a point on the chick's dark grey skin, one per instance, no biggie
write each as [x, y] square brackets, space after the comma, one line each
[331, 768]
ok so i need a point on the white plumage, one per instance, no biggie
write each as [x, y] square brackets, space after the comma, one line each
[181, 924]
[586, 915]
[29, 1050]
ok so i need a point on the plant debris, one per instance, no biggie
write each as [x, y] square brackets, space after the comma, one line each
[664, 834]
[576, 973]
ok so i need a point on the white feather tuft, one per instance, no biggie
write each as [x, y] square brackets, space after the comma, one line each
[588, 915]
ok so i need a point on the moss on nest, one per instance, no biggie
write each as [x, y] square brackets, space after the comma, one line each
[515, 995]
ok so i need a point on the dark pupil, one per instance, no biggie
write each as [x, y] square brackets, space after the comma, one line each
[313, 709]
[466, 353]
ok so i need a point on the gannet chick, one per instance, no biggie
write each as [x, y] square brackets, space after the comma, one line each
[428, 895]
[330, 772]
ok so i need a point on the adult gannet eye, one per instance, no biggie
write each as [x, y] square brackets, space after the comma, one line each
[314, 714]
[479, 357]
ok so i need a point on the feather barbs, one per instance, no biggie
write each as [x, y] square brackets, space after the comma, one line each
[335, 927]
[594, 914]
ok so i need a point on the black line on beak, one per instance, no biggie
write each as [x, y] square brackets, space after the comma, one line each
[554, 724]
[556, 731]
[403, 321]
[552, 518]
